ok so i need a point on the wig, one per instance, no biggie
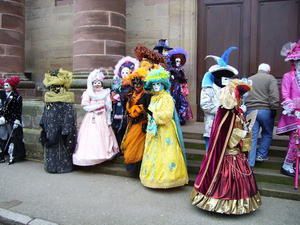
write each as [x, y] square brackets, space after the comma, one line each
[143, 53]
[158, 76]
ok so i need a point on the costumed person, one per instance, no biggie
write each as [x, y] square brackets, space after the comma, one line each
[96, 141]
[119, 93]
[148, 58]
[290, 118]
[163, 164]
[58, 122]
[212, 82]
[162, 47]
[11, 128]
[225, 183]
[179, 87]
[134, 139]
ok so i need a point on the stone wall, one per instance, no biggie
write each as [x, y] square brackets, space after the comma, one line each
[32, 112]
[175, 20]
[49, 28]
[48, 38]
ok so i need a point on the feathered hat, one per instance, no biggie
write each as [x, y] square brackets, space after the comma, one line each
[177, 53]
[232, 93]
[291, 51]
[126, 62]
[139, 73]
[222, 62]
[158, 76]
[148, 58]
[59, 77]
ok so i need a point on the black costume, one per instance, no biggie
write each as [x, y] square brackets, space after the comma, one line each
[58, 136]
[58, 123]
[11, 133]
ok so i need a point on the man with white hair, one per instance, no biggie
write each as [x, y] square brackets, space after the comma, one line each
[264, 98]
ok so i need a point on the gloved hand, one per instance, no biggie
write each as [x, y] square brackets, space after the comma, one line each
[16, 124]
[288, 107]
[243, 108]
[2, 120]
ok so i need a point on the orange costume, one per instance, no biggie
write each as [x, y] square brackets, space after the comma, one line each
[134, 139]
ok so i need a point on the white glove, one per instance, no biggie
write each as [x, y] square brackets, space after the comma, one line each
[16, 124]
[2, 120]
[91, 108]
[243, 108]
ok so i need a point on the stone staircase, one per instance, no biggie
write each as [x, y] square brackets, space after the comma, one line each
[270, 181]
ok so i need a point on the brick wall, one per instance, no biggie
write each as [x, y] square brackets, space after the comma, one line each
[12, 27]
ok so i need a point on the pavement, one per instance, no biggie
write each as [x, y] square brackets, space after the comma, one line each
[86, 198]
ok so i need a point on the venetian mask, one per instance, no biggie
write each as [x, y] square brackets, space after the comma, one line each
[7, 87]
[125, 72]
[138, 84]
[164, 52]
[157, 87]
[56, 88]
[97, 85]
[178, 62]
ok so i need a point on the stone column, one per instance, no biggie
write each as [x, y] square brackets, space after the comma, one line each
[12, 37]
[99, 36]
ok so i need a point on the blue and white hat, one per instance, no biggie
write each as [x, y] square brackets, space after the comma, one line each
[222, 62]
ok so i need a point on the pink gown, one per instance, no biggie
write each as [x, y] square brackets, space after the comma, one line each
[96, 141]
[288, 124]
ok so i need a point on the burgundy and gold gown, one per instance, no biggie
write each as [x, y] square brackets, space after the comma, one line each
[225, 183]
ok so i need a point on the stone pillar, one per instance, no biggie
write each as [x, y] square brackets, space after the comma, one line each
[99, 36]
[12, 37]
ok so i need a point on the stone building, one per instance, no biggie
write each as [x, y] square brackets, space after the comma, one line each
[79, 35]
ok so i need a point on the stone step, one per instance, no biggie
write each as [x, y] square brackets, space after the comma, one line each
[277, 140]
[265, 188]
[268, 175]
[266, 172]
[276, 151]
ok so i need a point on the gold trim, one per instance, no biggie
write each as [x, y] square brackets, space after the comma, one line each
[221, 158]
[224, 206]
[214, 143]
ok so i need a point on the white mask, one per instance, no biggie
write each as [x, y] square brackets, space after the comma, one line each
[7, 87]
[178, 62]
[125, 72]
[157, 87]
[97, 85]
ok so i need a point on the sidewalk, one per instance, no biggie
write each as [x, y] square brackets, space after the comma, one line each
[82, 198]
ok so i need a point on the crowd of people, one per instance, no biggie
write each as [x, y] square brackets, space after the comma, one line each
[141, 115]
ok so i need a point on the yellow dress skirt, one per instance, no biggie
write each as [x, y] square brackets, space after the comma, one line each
[163, 164]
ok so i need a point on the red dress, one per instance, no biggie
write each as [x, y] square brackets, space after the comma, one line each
[225, 183]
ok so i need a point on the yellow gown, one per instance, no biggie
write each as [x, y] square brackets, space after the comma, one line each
[163, 164]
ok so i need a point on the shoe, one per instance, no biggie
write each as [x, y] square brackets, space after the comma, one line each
[11, 161]
[2, 160]
[290, 172]
[261, 159]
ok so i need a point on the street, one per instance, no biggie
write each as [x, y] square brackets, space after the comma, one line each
[91, 198]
